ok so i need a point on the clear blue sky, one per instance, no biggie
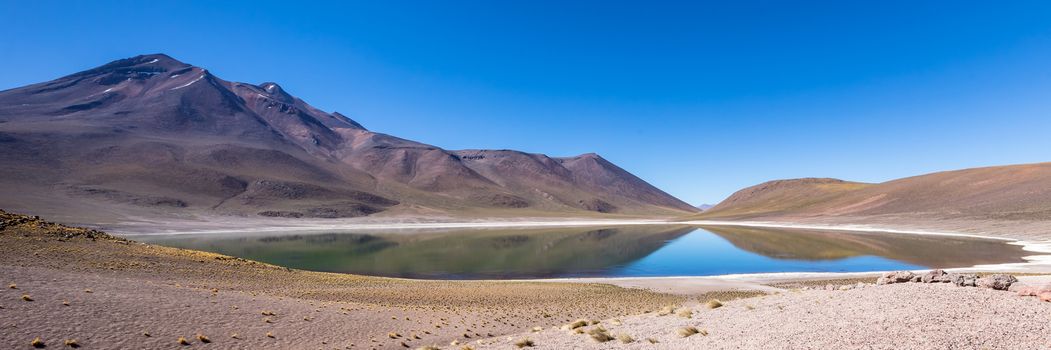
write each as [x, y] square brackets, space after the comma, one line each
[698, 98]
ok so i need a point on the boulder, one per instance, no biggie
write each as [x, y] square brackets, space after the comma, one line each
[935, 276]
[895, 277]
[996, 281]
[963, 279]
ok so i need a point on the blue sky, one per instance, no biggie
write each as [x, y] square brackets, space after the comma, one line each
[698, 98]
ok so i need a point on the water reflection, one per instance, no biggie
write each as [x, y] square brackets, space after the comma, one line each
[609, 251]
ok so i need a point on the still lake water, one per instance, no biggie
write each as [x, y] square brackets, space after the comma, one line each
[597, 252]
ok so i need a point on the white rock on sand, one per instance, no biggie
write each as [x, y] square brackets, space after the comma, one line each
[897, 316]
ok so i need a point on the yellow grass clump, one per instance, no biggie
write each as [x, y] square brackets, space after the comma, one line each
[625, 338]
[270, 335]
[600, 335]
[687, 331]
[685, 313]
[203, 338]
[72, 343]
[525, 342]
[714, 304]
[26, 297]
[37, 343]
[182, 341]
[575, 324]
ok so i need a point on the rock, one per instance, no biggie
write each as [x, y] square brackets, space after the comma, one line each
[935, 276]
[963, 279]
[996, 281]
[895, 277]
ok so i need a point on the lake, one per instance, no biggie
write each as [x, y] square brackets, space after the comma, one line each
[632, 251]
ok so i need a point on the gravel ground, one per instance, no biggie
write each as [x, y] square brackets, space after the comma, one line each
[900, 316]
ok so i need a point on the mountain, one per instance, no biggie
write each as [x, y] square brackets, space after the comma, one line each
[704, 207]
[150, 135]
[1014, 199]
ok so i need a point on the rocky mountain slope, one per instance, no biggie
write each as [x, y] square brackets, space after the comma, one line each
[150, 135]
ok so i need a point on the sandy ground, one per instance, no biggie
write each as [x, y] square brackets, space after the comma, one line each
[108, 293]
[900, 316]
[171, 293]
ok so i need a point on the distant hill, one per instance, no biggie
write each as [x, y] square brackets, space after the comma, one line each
[704, 207]
[1008, 195]
[150, 135]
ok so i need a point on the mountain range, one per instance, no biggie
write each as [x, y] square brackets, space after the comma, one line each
[150, 135]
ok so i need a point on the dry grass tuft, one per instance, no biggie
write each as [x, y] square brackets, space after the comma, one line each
[394, 335]
[687, 331]
[12, 286]
[182, 341]
[428, 347]
[652, 340]
[665, 311]
[26, 297]
[37, 343]
[467, 347]
[714, 304]
[575, 324]
[537, 329]
[235, 336]
[525, 342]
[72, 343]
[203, 338]
[270, 335]
[624, 338]
[600, 334]
[616, 322]
[685, 313]
[268, 313]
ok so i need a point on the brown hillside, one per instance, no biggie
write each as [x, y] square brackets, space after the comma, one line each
[1013, 192]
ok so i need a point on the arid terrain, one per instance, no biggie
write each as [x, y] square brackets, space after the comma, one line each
[153, 137]
[119, 291]
[1008, 201]
[73, 284]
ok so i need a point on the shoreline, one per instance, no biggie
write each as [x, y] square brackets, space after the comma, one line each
[1040, 262]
